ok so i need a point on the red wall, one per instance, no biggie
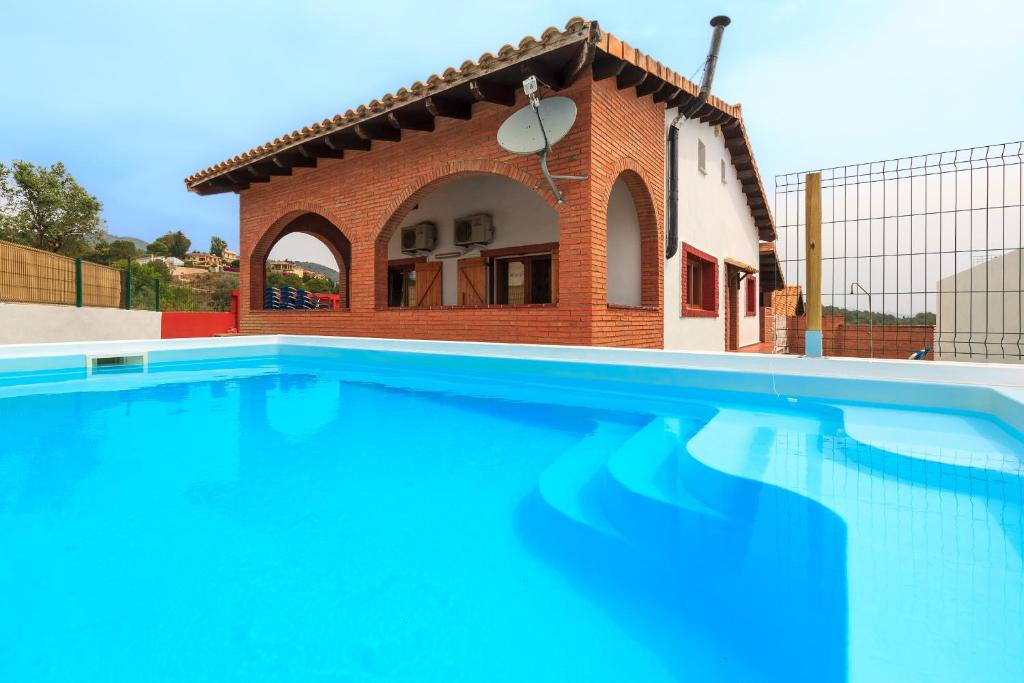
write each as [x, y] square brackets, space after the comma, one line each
[177, 324]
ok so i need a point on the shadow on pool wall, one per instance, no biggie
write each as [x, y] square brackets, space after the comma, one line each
[757, 592]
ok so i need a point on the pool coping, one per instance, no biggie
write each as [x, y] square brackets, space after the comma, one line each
[997, 389]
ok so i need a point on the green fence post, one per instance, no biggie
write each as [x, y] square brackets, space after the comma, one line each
[78, 282]
[157, 295]
[128, 288]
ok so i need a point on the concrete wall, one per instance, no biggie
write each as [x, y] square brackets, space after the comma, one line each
[979, 312]
[38, 323]
[623, 247]
[713, 217]
[521, 217]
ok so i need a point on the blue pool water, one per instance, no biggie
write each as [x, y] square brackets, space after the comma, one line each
[289, 519]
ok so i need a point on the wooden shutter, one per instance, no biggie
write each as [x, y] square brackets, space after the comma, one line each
[428, 283]
[473, 282]
[554, 276]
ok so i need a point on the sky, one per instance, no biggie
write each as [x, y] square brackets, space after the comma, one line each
[134, 96]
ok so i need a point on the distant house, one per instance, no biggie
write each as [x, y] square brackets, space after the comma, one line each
[228, 256]
[980, 310]
[173, 263]
[285, 268]
[202, 259]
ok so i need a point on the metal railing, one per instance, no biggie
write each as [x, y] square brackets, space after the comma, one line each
[917, 253]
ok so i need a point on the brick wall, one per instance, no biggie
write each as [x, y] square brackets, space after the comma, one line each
[854, 340]
[367, 195]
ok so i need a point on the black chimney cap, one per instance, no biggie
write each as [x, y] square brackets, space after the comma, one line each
[721, 20]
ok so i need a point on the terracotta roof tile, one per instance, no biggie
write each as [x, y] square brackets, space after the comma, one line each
[576, 30]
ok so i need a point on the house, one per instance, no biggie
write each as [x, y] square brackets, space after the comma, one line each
[440, 233]
[172, 262]
[202, 259]
[980, 311]
[285, 268]
[228, 256]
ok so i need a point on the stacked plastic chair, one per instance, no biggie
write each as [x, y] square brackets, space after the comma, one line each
[272, 298]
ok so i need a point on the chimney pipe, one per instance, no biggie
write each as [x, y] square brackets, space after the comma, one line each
[718, 24]
[672, 234]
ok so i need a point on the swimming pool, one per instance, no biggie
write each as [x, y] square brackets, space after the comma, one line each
[351, 510]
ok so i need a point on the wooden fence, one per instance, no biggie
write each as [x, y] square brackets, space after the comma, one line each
[35, 276]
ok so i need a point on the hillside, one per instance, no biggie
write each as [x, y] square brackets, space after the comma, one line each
[330, 273]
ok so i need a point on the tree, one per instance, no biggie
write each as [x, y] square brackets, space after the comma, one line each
[217, 246]
[158, 248]
[107, 252]
[46, 208]
[176, 242]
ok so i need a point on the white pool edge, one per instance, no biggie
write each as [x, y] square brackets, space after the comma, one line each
[997, 389]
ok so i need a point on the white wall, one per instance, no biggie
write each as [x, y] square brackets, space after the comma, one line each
[713, 217]
[38, 323]
[623, 247]
[979, 312]
[521, 217]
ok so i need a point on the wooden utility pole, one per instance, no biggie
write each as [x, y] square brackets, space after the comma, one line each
[812, 197]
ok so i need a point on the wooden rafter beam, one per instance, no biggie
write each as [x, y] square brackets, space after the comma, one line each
[449, 108]
[667, 93]
[495, 93]
[579, 63]
[544, 73]
[371, 131]
[631, 77]
[317, 150]
[346, 141]
[254, 176]
[606, 66]
[410, 120]
[650, 86]
[267, 167]
[290, 159]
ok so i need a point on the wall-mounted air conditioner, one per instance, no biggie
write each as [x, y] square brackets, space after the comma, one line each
[475, 230]
[419, 238]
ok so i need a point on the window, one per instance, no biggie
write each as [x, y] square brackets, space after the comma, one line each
[722, 162]
[402, 285]
[702, 157]
[751, 295]
[523, 280]
[700, 283]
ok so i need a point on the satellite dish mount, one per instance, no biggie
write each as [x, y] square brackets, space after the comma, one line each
[536, 127]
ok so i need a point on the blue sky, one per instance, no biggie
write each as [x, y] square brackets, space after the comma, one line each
[135, 96]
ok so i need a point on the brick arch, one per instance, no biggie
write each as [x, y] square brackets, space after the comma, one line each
[308, 218]
[425, 185]
[637, 181]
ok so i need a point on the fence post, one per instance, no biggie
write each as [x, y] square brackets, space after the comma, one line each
[128, 288]
[78, 282]
[812, 197]
[157, 294]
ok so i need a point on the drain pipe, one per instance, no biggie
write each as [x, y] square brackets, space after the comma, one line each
[672, 238]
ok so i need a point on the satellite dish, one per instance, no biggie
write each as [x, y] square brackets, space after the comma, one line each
[522, 133]
[537, 126]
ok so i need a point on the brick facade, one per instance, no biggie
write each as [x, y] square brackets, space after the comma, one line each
[359, 201]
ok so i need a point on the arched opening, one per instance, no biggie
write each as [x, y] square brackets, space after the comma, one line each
[471, 240]
[302, 263]
[632, 246]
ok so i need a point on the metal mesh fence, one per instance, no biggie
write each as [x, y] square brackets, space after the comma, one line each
[920, 255]
[29, 275]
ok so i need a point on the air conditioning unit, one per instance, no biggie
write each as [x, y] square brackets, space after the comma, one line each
[474, 230]
[420, 238]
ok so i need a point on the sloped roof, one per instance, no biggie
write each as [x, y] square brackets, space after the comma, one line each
[557, 58]
[788, 301]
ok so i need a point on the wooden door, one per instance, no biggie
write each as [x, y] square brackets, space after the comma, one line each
[732, 306]
[472, 289]
[428, 284]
